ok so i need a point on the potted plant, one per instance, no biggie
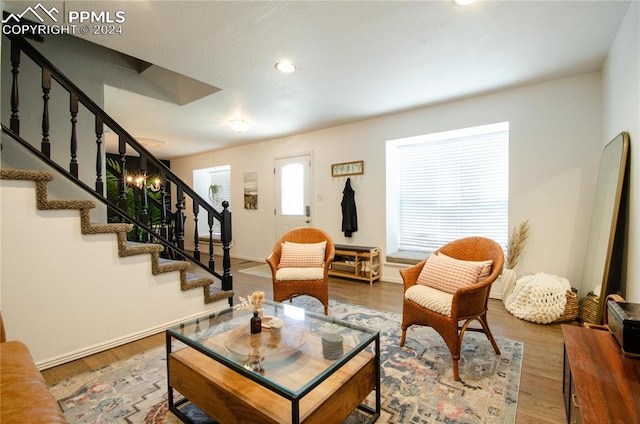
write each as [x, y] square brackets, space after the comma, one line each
[215, 193]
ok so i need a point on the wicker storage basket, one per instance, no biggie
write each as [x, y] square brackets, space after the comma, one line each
[571, 309]
[589, 310]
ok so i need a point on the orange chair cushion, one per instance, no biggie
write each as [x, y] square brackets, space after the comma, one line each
[449, 274]
[302, 255]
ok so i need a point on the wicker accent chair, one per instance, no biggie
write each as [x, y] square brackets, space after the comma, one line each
[319, 287]
[468, 303]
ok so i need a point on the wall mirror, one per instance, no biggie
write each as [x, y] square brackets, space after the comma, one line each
[604, 222]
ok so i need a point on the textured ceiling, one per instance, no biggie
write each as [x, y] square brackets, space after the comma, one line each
[355, 59]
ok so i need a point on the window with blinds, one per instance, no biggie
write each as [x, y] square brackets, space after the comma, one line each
[445, 186]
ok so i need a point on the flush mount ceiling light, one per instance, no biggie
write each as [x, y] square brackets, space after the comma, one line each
[149, 142]
[285, 67]
[239, 125]
[463, 2]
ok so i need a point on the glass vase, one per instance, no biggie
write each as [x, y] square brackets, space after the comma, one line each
[256, 323]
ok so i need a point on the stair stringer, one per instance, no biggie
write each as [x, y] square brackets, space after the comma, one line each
[38, 304]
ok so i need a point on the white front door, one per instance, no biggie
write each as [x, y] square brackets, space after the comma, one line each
[293, 193]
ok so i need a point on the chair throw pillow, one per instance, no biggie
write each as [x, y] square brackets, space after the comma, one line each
[302, 255]
[449, 274]
[486, 266]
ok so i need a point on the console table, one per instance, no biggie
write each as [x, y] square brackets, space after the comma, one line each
[356, 262]
[600, 384]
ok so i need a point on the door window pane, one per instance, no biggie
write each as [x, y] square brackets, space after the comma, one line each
[292, 189]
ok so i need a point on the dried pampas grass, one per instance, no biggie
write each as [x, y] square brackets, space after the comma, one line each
[517, 240]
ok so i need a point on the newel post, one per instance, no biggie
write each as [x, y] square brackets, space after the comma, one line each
[225, 235]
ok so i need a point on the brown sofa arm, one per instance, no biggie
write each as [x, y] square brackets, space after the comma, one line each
[3, 335]
[24, 393]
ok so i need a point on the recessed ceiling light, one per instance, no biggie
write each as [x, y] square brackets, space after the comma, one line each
[285, 67]
[463, 2]
[239, 125]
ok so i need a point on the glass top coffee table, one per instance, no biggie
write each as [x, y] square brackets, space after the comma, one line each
[308, 368]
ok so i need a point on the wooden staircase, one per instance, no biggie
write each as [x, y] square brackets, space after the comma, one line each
[159, 265]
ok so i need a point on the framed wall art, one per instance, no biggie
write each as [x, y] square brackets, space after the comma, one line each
[347, 168]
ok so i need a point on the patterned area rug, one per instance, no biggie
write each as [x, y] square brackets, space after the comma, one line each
[259, 271]
[417, 380]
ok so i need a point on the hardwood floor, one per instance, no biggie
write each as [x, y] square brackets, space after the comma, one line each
[540, 396]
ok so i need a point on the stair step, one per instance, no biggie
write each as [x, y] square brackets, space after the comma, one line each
[96, 228]
[214, 294]
[196, 280]
[169, 265]
[135, 248]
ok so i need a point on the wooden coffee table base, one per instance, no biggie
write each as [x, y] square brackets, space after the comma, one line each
[229, 397]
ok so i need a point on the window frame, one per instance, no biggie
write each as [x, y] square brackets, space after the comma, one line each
[394, 242]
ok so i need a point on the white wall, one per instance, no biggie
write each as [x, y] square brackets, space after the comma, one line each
[621, 87]
[555, 142]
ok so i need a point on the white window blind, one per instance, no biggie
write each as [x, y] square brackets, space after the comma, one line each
[452, 186]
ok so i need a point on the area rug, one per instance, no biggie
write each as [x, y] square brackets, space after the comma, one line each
[259, 271]
[417, 380]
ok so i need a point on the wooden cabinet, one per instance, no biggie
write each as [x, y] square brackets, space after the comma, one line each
[572, 407]
[600, 384]
[356, 262]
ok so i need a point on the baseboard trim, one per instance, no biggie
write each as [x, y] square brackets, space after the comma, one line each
[496, 296]
[100, 347]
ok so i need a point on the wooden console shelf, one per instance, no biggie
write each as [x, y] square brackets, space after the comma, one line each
[600, 384]
[356, 262]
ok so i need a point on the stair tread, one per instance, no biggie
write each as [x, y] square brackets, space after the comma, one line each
[194, 276]
[214, 294]
[164, 261]
[136, 243]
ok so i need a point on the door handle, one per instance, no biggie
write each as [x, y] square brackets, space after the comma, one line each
[307, 210]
